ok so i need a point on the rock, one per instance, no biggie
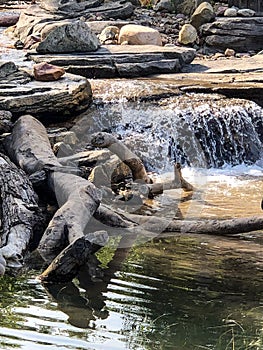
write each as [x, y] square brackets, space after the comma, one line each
[98, 26]
[122, 60]
[240, 34]
[30, 41]
[139, 35]
[230, 12]
[187, 34]
[74, 9]
[68, 37]
[239, 78]
[47, 72]
[64, 97]
[220, 10]
[7, 68]
[230, 53]
[5, 121]
[68, 6]
[246, 13]
[186, 7]
[8, 19]
[203, 14]
[110, 33]
[164, 5]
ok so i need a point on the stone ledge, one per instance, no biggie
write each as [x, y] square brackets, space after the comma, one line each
[70, 94]
[121, 61]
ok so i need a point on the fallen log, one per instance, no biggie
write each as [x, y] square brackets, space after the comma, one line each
[67, 264]
[29, 146]
[105, 140]
[224, 227]
[78, 200]
[21, 216]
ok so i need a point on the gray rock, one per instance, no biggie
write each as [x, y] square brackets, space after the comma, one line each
[129, 60]
[109, 33]
[7, 68]
[71, 94]
[164, 5]
[72, 8]
[70, 37]
[246, 13]
[231, 12]
[64, 6]
[240, 34]
[203, 14]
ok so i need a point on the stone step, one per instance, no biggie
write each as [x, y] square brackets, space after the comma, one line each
[121, 60]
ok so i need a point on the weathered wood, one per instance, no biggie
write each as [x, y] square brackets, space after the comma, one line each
[29, 146]
[105, 140]
[20, 215]
[66, 265]
[78, 200]
[218, 227]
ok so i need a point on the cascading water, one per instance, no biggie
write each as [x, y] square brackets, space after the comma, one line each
[198, 130]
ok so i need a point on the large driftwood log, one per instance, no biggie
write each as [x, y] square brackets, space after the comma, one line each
[79, 200]
[29, 146]
[66, 265]
[20, 215]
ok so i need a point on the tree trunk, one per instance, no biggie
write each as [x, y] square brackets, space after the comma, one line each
[21, 216]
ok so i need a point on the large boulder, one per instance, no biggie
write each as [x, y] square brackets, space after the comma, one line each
[240, 34]
[67, 37]
[139, 35]
[203, 14]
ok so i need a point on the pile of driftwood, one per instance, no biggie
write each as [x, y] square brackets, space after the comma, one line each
[31, 174]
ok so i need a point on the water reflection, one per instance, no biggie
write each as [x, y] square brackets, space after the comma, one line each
[183, 292]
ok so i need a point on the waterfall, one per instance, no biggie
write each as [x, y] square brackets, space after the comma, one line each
[198, 130]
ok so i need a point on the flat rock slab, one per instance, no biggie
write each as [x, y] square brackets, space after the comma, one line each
[122, 61]
[70, 94]
[237, 78]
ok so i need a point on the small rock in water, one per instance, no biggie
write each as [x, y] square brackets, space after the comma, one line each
[47, 72]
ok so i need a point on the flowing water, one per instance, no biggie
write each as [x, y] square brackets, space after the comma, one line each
[182, 292]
